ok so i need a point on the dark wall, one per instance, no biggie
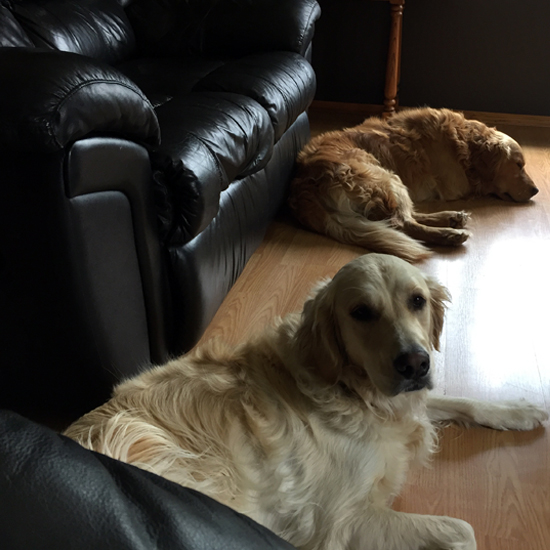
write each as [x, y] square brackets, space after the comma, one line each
[349, 50]
[485, 55]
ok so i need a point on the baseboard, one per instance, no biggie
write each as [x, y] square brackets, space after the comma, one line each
[493, 119]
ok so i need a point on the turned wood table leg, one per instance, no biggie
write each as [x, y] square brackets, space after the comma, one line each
[393, 68]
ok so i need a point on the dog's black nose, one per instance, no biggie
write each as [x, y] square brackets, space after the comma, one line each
[412, 365]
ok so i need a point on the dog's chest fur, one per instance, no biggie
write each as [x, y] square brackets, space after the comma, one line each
[337, 467]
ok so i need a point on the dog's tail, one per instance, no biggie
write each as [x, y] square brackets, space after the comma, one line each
[375, 236]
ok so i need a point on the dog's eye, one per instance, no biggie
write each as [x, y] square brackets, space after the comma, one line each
[418, 302]
[520, 165]
[363, 313]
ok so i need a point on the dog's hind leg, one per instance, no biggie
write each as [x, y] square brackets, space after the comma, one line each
[355, 205]
[379, 194]
[446, 236]
[446, 218]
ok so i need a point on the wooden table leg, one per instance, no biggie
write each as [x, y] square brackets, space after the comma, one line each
[393, 68]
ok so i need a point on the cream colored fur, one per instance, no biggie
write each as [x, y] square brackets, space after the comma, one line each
[307, 428]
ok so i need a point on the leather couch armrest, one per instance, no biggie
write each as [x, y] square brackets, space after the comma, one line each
[55, 494]
[49, 99]
[224, 27]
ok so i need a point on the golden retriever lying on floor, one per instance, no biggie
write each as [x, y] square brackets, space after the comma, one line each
[358, 185]
[310, 427]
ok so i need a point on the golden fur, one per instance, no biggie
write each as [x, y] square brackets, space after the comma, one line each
[359, 185]
[310, 427]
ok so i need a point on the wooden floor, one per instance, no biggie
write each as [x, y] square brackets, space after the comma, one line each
[496, 345]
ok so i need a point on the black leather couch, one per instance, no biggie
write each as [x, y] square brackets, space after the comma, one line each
[145, 146]
[56, 495]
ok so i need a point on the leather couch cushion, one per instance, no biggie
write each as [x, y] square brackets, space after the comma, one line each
[56, 495]
[208, 140]
[169, 27]
[96, 28]
[55, 98]
[222, 28]
[11, 32]
[162, 78]
[283, 83]
[203, 271]
[259, 25]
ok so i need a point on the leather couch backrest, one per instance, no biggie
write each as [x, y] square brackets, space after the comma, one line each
[222, 28]
[96, 28]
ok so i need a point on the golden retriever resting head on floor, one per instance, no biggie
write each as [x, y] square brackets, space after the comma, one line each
[359, 185]
[310, 427]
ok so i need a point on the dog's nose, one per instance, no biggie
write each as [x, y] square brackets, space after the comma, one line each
[533, 191]
[412, 365]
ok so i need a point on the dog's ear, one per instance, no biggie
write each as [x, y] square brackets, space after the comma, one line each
[318, 337]
[487, 150]
[486, 160]
[439, 297]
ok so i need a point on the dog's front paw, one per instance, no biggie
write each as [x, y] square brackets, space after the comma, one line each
[455, 237]
[458, 220]
[455, 534]
[510, 415]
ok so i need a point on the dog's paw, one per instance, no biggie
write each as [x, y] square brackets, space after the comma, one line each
[455, 534]
[458, 220]
[455, 237]
[510, 415]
